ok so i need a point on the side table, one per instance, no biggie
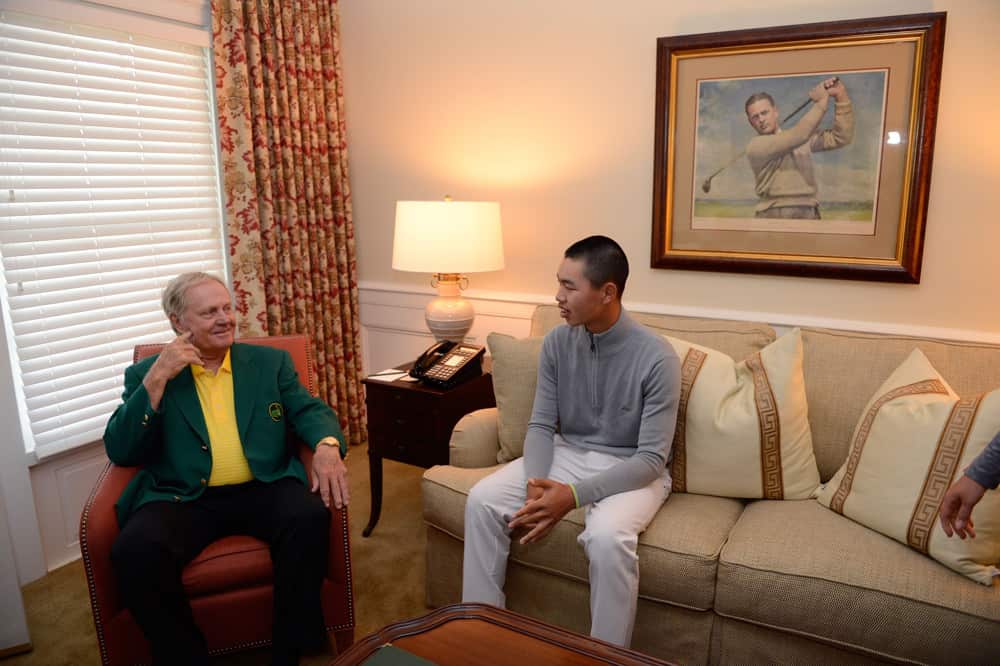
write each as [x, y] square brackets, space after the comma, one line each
[410, 422]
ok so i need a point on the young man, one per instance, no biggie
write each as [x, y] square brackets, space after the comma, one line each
[599, 436]
[781, 159]
[207, 419]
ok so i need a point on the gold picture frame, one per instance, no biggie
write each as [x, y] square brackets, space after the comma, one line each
[730, 195]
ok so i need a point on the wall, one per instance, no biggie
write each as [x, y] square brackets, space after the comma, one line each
[548, 108]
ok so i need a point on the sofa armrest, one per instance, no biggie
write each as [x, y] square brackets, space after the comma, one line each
[475, 440]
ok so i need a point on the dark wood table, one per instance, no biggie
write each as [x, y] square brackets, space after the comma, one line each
[411, 422]
[473, 634]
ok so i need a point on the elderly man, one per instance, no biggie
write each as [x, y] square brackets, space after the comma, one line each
[782, 159]
[207, 419]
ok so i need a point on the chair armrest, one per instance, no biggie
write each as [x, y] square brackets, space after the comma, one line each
[475, 440]
[339, 562]
[98, 531]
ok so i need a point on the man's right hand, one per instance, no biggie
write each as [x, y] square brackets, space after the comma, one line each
[174, 357]
[820, 93]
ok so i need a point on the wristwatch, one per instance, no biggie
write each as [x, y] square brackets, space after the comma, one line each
[331, 441]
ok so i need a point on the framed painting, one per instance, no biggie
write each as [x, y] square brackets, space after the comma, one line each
[801, 150]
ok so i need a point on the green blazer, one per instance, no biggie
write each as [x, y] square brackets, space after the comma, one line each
[172, 443]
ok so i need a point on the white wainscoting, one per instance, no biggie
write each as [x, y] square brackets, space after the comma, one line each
[394, 331]
[61, 486]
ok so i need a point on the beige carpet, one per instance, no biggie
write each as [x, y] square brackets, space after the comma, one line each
[388, 572]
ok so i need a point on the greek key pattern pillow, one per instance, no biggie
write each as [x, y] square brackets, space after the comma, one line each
[914, 439]
[743, 428]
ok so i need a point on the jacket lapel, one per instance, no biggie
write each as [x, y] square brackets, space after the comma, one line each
[186, 397]
[245, 384]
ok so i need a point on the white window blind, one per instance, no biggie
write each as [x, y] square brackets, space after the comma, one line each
[109, 188]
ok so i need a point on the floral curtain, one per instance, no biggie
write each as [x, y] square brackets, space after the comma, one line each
[287, 197]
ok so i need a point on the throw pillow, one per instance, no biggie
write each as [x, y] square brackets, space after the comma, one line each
[515, 375]
[743, 428]
[915, 437]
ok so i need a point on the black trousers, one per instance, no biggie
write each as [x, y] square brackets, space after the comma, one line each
[160, 538]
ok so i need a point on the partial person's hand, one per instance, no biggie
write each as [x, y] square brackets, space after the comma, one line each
[835, 87]
[542, 511]
[956, 507]
[329, 476]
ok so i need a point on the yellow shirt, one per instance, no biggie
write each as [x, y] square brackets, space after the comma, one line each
[215, 393]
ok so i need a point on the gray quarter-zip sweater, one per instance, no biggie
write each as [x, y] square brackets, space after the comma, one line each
[615, 392]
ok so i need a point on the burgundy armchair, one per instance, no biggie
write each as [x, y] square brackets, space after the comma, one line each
[230, 582]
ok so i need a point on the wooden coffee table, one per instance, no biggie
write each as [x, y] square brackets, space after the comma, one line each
[471, 634]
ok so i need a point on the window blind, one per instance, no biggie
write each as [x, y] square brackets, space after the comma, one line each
[109, 188]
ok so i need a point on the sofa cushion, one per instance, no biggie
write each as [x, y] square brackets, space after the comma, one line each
[743, 428]
[797, 566]
[515, 375]
[737, 339]
[678, 552]
[914, 439]
[837, 398]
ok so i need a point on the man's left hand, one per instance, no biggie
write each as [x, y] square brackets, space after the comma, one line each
[835, 87]
[544, 512]
[329, 476]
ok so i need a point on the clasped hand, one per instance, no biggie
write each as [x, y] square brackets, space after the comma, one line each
[547, 502]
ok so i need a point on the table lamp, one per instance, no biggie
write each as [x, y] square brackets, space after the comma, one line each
[448, 238]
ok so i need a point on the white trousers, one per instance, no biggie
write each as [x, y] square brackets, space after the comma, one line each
[612, 532]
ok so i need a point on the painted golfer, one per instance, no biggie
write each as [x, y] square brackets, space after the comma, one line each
[781, 159]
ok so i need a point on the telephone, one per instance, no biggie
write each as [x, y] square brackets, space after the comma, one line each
[448, 363]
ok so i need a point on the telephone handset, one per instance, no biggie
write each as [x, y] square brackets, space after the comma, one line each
[447, 363]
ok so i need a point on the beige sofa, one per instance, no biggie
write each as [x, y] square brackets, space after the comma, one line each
[737, 582]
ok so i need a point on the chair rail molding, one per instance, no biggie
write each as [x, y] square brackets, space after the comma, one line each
[393, 328]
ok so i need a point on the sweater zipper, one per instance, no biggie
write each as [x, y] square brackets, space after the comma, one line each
[595, 356]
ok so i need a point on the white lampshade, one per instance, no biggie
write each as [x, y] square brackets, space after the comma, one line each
[447, 237]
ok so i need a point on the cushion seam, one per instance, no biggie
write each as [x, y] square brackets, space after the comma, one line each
[858, 587]
[819, 639]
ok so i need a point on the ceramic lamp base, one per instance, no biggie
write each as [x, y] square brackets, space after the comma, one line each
[449, 316]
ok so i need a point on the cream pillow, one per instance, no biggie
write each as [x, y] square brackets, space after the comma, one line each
[515, 376]
[743, 428]
[915, 437]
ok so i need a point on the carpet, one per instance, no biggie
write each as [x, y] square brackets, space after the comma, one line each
[388, 570]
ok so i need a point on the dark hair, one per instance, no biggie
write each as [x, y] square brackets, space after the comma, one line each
[603, 261]
[756, 97]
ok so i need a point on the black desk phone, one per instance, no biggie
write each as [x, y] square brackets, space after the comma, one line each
[446, 364]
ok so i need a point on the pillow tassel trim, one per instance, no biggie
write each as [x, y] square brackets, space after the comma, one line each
[770, 430]
[864, 429]
[693, 361]
[942, 470]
